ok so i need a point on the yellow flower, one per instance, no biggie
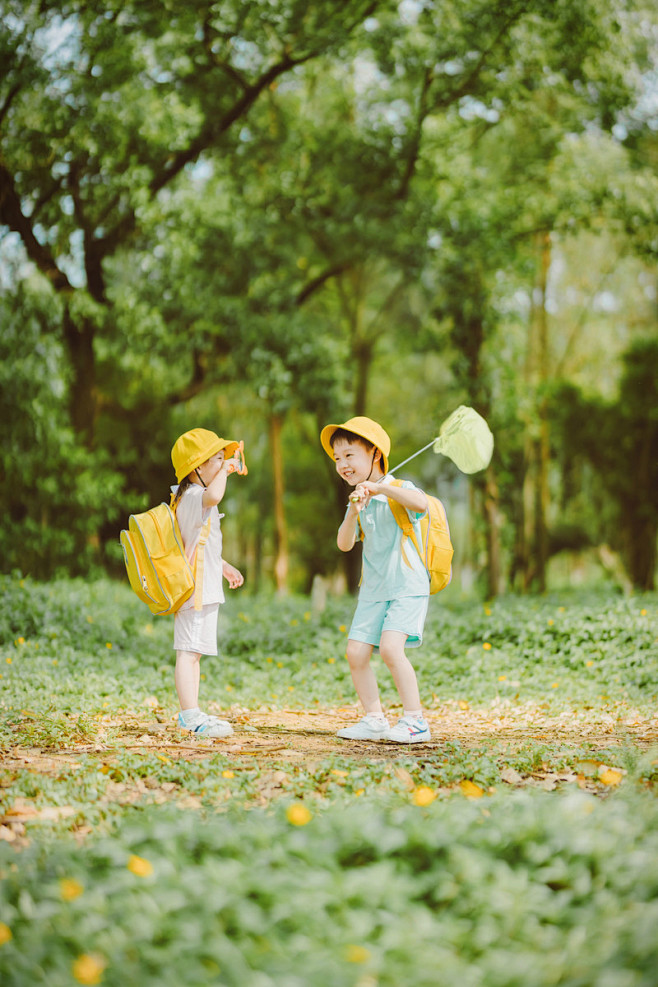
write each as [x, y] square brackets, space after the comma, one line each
[342, 628]
[589, 663]
[9, 661]
[5, 934]
[423, 795]
[90, 619]
[550, 621]
[139, 866]
[486, 646]
[307, 615]
[643, 613]
[70, 889]
[357, 954]
[487, 612]
[359, 791]
[88, 968]
[108, 645]
[21, 640]
[294, 622]
[555, 685]
[610, 776]
[228, 774]
[298, 815]
[331, 661]
[502, 678]
[470, 789]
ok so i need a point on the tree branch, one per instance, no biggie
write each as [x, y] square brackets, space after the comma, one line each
[316, 283]
[11, 215]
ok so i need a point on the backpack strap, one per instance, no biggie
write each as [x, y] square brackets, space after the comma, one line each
[198, 564]
[401, 516]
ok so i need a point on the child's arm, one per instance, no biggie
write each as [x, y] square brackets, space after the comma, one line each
[216, 489]
[347, 531]
[412, 498]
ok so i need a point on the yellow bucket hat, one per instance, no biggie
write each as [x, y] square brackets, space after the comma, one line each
[366, 429]
[195, 447]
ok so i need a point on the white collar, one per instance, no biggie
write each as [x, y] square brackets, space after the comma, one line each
[385, 479]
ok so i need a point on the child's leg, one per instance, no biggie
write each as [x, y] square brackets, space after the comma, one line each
[363, 677]
[187, 677]
[391, 648]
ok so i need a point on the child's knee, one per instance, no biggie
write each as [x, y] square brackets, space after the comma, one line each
[392, 655]
[358, 654]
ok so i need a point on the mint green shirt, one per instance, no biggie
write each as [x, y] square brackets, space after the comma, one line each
[386, 575]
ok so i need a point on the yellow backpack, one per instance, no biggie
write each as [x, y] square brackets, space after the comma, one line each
[157, 567]
[436, 550]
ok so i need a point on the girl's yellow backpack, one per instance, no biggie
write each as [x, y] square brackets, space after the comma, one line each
[157, 567]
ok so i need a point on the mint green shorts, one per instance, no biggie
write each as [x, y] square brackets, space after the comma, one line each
[406, 615]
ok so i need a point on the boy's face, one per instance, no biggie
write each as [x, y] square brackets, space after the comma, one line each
[354, 463]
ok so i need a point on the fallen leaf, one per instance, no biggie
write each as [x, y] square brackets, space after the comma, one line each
[511, 776]
[403, 775]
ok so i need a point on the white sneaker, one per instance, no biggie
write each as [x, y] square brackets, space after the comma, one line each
[408, 730]
[369, 728]
[204, 725]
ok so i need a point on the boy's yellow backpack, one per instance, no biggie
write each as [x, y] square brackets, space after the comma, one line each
[158, 569]
[436, 549]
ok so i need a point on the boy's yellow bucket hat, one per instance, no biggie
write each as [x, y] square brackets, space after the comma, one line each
[366, 429]
[195, 447]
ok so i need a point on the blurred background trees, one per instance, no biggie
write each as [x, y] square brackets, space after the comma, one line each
[263, 216]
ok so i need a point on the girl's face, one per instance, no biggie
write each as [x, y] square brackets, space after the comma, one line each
[211, 467]
[354, 463]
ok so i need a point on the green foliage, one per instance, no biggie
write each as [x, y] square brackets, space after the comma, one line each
[520, 891]
[619, 440]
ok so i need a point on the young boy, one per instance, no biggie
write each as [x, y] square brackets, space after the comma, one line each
[394, 591]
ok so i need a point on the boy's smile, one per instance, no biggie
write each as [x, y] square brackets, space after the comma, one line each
[354, 463]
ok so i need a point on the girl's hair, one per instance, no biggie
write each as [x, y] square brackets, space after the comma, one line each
[182, 487]
[347, 436]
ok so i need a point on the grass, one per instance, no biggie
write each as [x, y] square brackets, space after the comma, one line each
[518, 849]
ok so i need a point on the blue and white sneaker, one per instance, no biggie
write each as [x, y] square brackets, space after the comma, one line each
[203, 725]
[409, 730]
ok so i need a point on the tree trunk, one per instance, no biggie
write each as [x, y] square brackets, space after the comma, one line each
[79, 339]
[280, 526]
[493, 523]
[537, 443]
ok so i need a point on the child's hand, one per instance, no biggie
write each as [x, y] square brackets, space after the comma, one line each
[232, 465]
[360, 498]
[232, 575]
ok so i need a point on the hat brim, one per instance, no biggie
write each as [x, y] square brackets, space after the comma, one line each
[229, 445]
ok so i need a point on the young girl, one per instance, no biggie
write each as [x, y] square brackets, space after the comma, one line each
[394, 593]
[202, 469]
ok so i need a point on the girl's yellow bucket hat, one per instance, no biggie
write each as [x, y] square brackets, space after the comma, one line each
[195, 447]
[366, 429]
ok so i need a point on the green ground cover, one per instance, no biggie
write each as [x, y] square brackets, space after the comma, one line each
[490, 858]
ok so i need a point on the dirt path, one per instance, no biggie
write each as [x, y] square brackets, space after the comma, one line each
[308, 736]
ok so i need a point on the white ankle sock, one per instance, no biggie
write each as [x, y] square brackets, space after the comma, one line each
[415, 714]
[377, 716]
[189, 714]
